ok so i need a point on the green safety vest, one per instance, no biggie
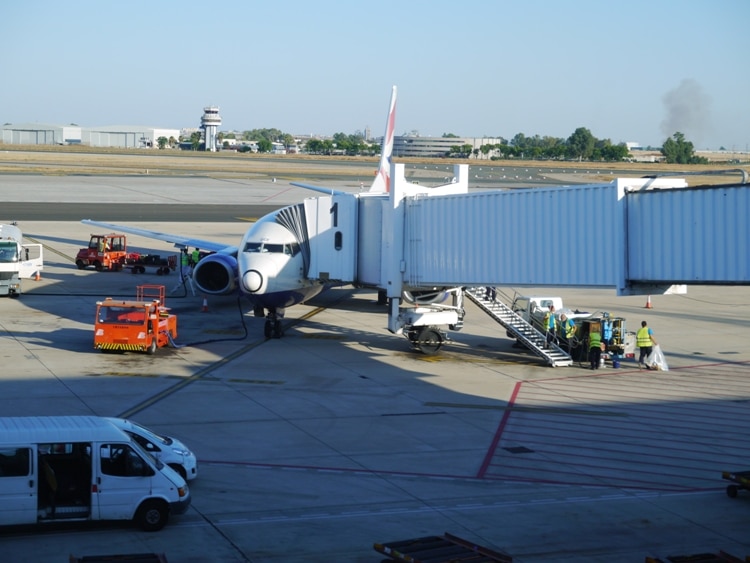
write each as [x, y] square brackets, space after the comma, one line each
[643, 338]
[595, 340]
[196, 256]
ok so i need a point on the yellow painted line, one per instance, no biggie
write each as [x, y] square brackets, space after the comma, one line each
[121, 374]
[256, 381]
[320, 336]
[205, 372]
[50, 249]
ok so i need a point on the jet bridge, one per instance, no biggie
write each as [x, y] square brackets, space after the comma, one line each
[636, 235]
[419, 244]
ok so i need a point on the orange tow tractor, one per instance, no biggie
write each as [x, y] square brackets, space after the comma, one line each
[142, 325]
[104, 252]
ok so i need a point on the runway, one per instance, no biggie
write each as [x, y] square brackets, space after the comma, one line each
[314, 447]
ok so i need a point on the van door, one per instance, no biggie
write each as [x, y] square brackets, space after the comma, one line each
[18, 486]
[31, 261]
[123, 479]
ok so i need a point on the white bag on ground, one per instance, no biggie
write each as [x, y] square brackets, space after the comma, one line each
[656, 359]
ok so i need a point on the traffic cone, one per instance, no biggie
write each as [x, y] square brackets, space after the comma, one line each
[38, 276]
[205, 305]
[648, 303]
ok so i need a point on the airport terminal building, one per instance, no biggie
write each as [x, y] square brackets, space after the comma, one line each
[117, 136]
[416, 146]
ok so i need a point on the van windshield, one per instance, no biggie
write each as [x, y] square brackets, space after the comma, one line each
[165, 440]
[146, 455]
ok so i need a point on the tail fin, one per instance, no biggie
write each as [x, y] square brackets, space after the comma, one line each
[382, 181]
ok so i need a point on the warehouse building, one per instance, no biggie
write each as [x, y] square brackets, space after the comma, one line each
[118, 136]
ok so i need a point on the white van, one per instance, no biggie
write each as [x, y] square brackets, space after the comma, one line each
[164, 448]
[68, 468]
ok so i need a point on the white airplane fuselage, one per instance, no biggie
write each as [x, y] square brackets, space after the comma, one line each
[270, 267]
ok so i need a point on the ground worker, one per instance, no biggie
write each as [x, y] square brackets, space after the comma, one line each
[550, 325]
[595, 347]
[567, 330]
[644, 340]
[184, 259]
[196, 255]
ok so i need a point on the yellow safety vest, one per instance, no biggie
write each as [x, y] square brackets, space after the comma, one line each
[643, 338]
[595, 340]
[570, 328]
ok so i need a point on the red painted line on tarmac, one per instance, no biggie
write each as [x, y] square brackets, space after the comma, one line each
[275, 195]
[499, 432]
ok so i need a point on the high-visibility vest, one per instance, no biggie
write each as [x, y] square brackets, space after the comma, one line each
[570, 328]
[643, 338]
[196, 256]
[595, 340]
[549, 321]
[184, 260]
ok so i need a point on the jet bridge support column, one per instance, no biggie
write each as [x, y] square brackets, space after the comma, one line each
[427, 308]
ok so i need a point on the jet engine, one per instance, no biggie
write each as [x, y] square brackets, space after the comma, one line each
[216, 274]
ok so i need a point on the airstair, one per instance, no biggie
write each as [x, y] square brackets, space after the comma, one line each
[516, 326]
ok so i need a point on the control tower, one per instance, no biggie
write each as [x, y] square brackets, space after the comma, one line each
[210, 122]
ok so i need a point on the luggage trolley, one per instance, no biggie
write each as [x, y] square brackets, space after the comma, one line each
[739, 479]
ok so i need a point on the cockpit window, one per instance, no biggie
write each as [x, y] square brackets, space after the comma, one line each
[291, 249]
[254, 247]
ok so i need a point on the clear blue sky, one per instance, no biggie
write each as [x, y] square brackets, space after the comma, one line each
[627, 71]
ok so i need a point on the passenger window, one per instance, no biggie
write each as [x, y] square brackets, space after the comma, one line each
[14, 462]
[120, 460]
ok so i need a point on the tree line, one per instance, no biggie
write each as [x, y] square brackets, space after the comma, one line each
[581, 145]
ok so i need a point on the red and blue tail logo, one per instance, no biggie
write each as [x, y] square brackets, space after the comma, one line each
[382, 182]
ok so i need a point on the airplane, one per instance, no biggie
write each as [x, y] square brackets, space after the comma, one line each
[271, 263]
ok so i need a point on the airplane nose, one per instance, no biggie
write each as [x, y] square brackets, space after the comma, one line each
[252, 280]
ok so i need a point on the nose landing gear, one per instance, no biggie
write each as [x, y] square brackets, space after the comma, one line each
[272, 327]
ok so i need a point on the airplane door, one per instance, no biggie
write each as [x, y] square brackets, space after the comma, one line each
[123, 479]
[31, 260]
[18, 486]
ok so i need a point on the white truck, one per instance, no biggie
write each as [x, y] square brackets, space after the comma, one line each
[533, 309]
[17, 260]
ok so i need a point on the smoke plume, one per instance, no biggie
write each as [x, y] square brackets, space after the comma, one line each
[688, 112]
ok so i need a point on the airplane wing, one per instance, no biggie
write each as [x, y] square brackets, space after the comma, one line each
[178, 240]
[327, 191]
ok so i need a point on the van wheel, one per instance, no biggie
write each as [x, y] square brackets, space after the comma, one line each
[180, 471]
[152, 515]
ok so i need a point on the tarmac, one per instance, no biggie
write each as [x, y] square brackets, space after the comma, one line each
[313, 447]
